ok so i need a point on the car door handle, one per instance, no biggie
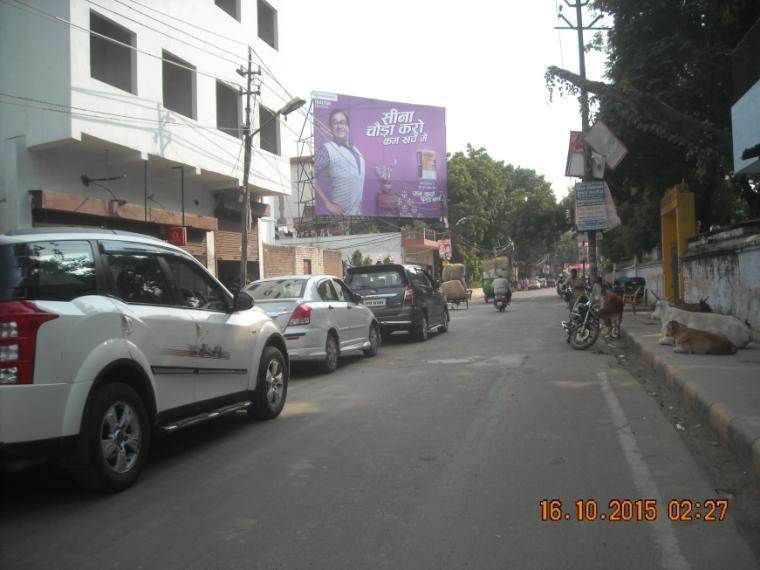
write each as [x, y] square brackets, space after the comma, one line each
[330, 307]
[349, 306]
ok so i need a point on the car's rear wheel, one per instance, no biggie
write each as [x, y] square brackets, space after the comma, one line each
[445, 327]
[421, 333]
[116, 439]
[374, 341]
[330, 363]
[272, 386]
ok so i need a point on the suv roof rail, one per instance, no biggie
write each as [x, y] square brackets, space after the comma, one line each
[76, 230]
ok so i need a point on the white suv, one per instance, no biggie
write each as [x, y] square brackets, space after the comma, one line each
[107, 337]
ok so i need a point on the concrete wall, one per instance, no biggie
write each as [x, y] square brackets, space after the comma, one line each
[376, 246]
[282, 260]
[333, 263]
[725, 268]
[651, 271]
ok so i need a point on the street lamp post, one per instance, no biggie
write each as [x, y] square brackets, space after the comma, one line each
[289, 107]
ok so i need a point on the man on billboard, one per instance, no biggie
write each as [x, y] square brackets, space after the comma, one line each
[344, 167]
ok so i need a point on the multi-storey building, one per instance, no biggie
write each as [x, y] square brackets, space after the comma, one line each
[147, 96]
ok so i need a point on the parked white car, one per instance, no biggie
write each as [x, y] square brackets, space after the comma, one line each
[106, 336]
[320, 317]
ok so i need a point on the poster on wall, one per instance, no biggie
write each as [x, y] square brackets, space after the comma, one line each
[378, 158]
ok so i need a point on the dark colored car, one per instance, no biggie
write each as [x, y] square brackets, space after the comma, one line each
[402, 297]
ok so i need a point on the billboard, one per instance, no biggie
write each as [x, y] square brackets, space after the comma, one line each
[378, 158]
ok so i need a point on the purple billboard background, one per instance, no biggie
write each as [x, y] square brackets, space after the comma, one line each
[403, 151]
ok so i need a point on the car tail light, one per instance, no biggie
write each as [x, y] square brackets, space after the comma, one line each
[408, 295]
[301, 316]
[19, 323]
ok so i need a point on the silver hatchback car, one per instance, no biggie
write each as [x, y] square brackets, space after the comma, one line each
[319, 316]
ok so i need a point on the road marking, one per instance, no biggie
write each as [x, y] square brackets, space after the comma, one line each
[664, 534]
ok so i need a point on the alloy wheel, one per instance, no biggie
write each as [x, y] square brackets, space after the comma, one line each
[275, 380]
[120, 437]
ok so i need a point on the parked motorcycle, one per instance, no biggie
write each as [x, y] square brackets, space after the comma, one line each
[582, 327]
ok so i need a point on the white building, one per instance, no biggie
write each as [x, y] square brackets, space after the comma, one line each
[145, 93]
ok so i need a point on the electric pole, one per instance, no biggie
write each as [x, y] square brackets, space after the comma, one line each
[248, 142]
[579, 27]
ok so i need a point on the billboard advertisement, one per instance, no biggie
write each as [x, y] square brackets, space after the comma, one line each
[378, 158]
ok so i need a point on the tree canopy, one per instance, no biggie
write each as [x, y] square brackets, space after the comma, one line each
[668, 96]
[500, 208]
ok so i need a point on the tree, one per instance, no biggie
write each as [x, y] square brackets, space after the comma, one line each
[668, 96]
[497, 208]
[359, 259]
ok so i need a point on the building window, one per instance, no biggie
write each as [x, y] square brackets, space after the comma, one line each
[269, 136]
[307, 266]
[232, 7]
[267, 18]
[179, 85]
[112, 62]
[227, 109]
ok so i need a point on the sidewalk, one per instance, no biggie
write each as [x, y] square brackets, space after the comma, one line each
[725, 390]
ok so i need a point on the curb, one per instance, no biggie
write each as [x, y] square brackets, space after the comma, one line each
[738, 432]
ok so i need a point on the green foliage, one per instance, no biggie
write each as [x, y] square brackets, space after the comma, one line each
[506, 209]
[678, 52]
[358, 259]
[566, 249]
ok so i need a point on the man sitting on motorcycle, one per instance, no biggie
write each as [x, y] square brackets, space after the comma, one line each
[576, 285]
[501, 287]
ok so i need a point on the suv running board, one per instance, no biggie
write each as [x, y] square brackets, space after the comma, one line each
[205, 416]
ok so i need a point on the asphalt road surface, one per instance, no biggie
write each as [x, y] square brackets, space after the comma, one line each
[431, 455]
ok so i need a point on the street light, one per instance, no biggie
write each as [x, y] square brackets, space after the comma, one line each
[289, 107]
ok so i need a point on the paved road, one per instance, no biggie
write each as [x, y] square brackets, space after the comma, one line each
[432, 455]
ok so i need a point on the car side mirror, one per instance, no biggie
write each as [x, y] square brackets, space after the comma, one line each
[242, 302]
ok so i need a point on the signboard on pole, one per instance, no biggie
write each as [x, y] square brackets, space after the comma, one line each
[590, 206]
[379, 158]
[603, 141]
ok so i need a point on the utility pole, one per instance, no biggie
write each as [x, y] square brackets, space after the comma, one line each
[579, 27]
[248, 142]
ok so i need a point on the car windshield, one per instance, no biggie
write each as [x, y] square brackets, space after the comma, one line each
[277, 289]
[390, 278]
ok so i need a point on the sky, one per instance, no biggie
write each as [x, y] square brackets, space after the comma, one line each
[483, 60]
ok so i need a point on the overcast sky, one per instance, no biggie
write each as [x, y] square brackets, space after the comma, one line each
[484, 60]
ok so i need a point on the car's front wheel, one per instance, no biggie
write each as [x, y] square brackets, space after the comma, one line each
[116, 439]
[272, 385]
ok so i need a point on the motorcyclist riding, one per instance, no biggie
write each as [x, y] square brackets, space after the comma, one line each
[502, 290]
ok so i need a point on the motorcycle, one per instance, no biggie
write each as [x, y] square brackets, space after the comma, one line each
[567, 297]
[582, 327]
[500, 301]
